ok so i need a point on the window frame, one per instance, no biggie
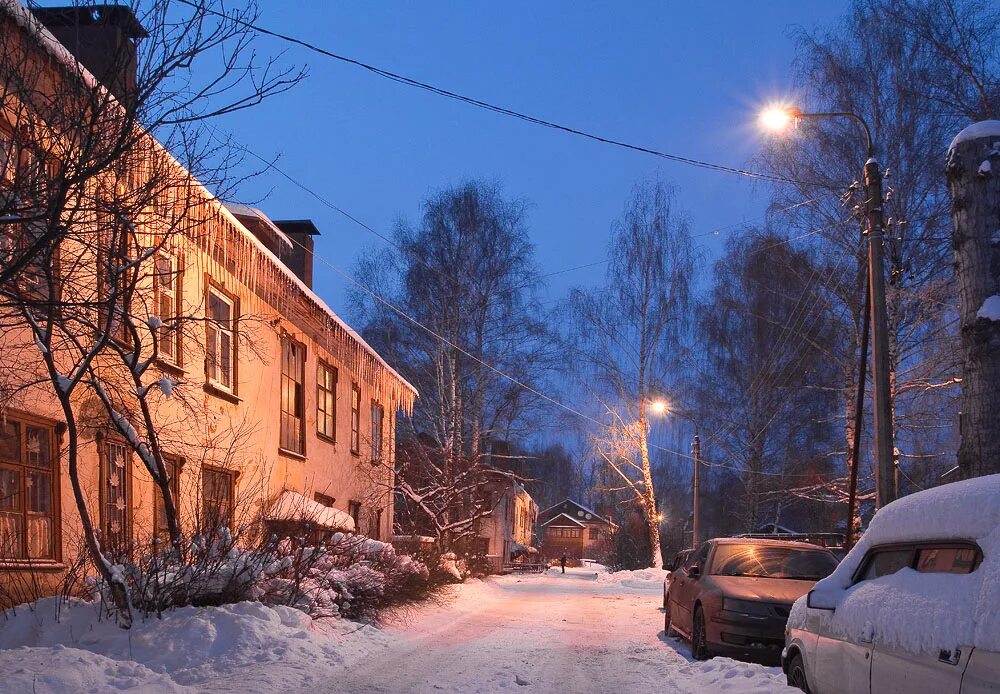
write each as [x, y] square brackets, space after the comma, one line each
[213, 287]
[355, 418]
[105, 441]
[354, 511]
[324, 499]
[289, 345]
[378, 442]
[55, 514]
[176, 294]
[326, 396]
[106, 314]
[231, 476]
[914, 549]
[594, 534]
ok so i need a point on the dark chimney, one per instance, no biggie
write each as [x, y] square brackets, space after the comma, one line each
[300, 258]
[103, 38]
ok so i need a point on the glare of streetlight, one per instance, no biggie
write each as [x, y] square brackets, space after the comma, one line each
[658, 407]
[778, 118]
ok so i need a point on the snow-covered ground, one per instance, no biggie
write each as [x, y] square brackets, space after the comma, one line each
[584, 631]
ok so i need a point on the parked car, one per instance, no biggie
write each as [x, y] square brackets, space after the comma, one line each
[913, 606]
[677, 562]
[733, 595]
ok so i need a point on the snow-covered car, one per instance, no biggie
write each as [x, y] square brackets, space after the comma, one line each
[913, 607]
[732, 596]
[677, 562]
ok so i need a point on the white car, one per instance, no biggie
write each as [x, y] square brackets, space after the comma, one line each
[914, 606]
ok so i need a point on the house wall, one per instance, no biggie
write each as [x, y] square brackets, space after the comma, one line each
[203, 425]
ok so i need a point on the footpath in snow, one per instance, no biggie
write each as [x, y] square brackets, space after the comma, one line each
[584, 631]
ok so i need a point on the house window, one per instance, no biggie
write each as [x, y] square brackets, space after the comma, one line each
[595, 533]
[355, 419]
[220, 339]
[112, 277]
[27, 498]
[354, 509]
[325, 500]
[326, 401]
[217, 492]
[293, 364]
[375, 525]
[166, 291]
[115, 510]
[378, 414]
[173, 469]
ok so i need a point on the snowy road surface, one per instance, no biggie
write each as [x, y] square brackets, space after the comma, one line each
[582, 632]
[569, 633]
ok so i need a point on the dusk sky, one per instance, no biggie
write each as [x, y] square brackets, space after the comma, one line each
[671, 76]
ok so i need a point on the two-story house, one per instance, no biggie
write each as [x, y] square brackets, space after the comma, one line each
[274, 409]
[570, 528]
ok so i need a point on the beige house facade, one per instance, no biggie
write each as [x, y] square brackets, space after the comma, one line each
[269, 408]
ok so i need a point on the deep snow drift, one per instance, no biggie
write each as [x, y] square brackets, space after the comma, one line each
[585, 631]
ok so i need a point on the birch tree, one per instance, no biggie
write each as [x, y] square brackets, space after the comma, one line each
[629, 338]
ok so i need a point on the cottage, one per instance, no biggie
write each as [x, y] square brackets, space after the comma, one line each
[507, 535]
[572, 529]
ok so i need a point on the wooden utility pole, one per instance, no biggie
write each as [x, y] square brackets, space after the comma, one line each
[859, 411]
[973, 171]
[885, 490]
[695, 491]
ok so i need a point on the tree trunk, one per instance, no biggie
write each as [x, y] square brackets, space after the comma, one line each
[649, 495]
[973, 170]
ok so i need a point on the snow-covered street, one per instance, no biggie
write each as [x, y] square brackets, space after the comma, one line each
[579, 632]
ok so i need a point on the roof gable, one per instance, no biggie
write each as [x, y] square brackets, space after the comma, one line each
[564, 520]
[574, 510]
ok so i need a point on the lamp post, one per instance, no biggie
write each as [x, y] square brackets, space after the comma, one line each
[661, 407]
[782, 118]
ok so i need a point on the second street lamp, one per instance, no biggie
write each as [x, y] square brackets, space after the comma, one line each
[780, 119]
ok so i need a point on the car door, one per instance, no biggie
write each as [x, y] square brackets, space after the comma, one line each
[844, 663]
[684, 588]
[896, 670]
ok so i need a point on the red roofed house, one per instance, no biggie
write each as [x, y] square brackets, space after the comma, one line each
[572, 529]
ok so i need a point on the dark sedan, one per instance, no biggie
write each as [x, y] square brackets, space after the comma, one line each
[733, 595]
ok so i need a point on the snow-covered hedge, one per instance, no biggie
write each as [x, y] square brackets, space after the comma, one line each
[349, 575]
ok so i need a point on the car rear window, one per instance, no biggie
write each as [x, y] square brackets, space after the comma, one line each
[952, 560]
[772, 562]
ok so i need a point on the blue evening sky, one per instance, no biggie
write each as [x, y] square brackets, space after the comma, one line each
[685, 78]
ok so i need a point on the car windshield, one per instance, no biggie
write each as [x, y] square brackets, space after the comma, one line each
[772, 562]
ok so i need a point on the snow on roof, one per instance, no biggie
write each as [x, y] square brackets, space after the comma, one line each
[25, 19]
[241, 210]
[984, 128]
[578, 505]
[921, 612]
[568, 517]
[292, 506]
[422, 539]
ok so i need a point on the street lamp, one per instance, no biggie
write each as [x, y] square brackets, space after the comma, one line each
[780, 118]
[661, 407]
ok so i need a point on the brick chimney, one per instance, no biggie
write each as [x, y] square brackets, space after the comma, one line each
[103, 38]
[300, 259]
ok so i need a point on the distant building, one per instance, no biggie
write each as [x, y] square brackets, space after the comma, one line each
[572, 529]
[507, 535]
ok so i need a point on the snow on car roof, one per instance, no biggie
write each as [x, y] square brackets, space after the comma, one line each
[921, 612]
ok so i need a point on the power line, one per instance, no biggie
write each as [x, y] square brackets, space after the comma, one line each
[409, 81]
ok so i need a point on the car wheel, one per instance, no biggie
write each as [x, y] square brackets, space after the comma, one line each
[666, 620]
[699, 641]
[797, 673]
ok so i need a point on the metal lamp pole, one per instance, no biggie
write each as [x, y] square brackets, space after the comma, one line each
[875, 223]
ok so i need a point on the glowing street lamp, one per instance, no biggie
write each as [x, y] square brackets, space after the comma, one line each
[658, 407]
[779, 118]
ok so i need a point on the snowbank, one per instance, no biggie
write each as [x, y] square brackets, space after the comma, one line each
[188, 647]
[921, 612]
[292, 506]
[641, 579]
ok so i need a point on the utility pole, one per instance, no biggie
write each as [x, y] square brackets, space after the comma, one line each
[859, 411]
[695, 489]
[884, 474]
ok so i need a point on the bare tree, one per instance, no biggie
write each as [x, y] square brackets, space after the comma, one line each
[630, 336]
[95, 215]
[453, 301]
